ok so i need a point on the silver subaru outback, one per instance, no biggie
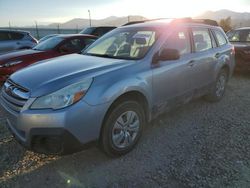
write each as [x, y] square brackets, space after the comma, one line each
[117, 85]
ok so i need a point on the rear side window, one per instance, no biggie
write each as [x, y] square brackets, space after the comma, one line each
[220, 38]
[202, 39]
[179, 40]
[4, 36]
[16, 36]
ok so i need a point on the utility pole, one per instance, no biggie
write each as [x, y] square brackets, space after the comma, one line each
[76, 28]
[58, 29]
[9, 25]
[89, 18]
[37, 32]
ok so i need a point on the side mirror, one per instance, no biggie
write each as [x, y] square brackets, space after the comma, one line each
[166, 54]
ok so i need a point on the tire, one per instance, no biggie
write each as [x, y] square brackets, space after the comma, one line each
[122, 128]
[218, 89]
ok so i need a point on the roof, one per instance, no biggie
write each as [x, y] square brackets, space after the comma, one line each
[75, 35]
[16, 31]
[242, 28]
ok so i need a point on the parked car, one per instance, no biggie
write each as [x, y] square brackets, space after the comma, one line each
[240, 38]
[122, 81]
[97, 31]
[15, 40]
[53, 47]
[47, 37]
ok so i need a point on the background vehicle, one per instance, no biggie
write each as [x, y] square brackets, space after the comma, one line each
[123, 80]
[55, 46]
[15, 40]
[47, 37]
[97, 31]
[240, 38]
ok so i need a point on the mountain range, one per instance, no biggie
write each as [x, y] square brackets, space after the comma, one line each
[239, 19]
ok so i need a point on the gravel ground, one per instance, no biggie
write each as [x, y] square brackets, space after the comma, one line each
[197, 145]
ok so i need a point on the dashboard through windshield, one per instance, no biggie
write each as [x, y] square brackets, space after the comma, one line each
[123, 44]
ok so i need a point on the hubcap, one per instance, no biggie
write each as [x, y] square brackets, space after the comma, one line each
[220, 86]
[125, 129]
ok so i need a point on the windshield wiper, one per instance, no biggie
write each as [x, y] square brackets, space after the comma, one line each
[108, 56]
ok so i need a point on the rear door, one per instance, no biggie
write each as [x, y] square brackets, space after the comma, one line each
[204, 59]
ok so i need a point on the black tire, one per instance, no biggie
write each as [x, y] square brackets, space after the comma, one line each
[214, 94]
[116, 111]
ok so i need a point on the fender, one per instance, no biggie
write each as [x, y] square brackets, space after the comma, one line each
[112, 92]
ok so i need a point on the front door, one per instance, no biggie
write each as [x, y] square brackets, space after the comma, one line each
[171, 79]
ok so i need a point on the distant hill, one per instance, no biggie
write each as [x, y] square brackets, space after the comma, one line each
[239, 19]
[82, 23]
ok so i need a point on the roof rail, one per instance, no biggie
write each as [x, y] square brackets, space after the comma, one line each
[178, 20]
[143, 21]
[201, 21]
[134, 22]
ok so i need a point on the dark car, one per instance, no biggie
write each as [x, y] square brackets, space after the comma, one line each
[240, 38]
[97, 31]
[50, 48]
[15, 40]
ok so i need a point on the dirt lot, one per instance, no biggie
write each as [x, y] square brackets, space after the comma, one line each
[197, 145]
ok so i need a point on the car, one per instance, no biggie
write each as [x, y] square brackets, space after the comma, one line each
[240, 38]
[47, 37]
[58, 45]
[97, 31]
[117, 86]
[15, 40]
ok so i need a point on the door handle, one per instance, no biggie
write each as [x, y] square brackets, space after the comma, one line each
[191, 63]
[217, 55]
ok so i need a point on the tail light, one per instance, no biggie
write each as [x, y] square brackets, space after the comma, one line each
[233, 51]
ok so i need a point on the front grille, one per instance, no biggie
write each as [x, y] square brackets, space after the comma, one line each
[14, 96]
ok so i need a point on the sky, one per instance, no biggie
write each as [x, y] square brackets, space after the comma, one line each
[26, 12]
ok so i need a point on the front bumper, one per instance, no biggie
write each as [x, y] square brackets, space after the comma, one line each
[56, 131]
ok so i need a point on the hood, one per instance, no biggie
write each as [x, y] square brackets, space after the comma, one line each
[17, 54]
[51, 75]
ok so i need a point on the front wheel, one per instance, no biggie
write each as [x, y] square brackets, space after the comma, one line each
[122, 128]
[219, 87]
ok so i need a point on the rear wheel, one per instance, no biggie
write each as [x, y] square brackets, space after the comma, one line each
[122, 128]
[219, 87]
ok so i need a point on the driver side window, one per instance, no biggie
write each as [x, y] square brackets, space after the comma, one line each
[179, 40]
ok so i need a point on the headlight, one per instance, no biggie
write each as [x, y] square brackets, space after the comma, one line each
[11, 63]
[63, 97]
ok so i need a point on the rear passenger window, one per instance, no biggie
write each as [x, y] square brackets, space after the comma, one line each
[202, 39]
[220, 38]
[16, 36]
[179, 40]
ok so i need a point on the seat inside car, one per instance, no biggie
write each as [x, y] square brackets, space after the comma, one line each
[199, 42]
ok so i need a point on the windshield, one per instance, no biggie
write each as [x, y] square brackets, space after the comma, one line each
[239, 36]
[88, 30]
[123, 44]
[48, 44]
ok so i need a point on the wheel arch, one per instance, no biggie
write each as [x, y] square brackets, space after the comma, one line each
[129, 95]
